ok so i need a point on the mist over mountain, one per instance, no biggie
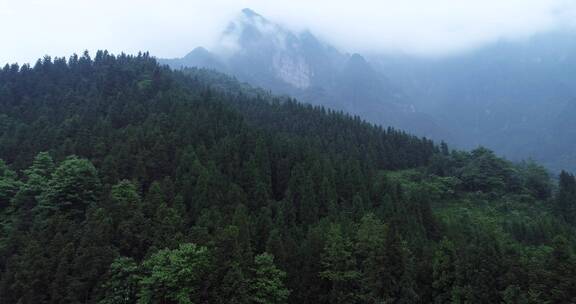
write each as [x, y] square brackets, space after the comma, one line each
[265, 54]
[516, 97]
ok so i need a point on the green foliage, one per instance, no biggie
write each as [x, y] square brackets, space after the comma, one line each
[9, 185]
[561, 282]
[536, 180]
[566, 198]
[121, 286]
[370, 249]
[73, 187]
[339, 267]
[444, 275]
[189, 187]
[174, 276]
[485, 172]
[267, 287]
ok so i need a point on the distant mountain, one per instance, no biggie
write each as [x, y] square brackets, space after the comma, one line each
[265, 54]
[516, 97]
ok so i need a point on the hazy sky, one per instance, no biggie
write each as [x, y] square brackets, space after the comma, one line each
[170, 28]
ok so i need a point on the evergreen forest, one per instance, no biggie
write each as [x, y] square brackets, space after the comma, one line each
[123, 181]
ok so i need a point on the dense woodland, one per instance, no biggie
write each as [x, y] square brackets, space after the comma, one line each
[125, 182]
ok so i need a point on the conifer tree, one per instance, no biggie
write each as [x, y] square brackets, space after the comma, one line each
[340, 267]
[267, 286]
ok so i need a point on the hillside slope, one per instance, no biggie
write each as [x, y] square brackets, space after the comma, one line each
[126, 182]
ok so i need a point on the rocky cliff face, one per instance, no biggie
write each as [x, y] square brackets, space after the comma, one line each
[294, 71]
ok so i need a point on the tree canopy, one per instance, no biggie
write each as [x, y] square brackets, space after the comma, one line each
[122, 181]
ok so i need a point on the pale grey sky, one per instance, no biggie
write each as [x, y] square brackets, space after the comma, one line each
[29, 29]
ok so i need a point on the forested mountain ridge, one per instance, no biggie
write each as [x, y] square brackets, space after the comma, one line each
[265, 54]
[126, 182]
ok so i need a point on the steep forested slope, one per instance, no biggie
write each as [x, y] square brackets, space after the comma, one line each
[125, 182]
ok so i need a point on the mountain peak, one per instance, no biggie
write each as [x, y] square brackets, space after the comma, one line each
[246, 19]
[357, 58]
[250, 13]
[199, 51]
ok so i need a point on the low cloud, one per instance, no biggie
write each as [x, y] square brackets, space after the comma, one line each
[436, 27]
[170, 28]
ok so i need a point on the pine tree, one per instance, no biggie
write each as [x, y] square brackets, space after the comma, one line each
[267, 286]
[340, 267]
[566, 198]
[370, 251]
[443, 266]
[561, 280]
[121, 285]
[241, 219]
[275, 246]
[133, 233]
[9, 185]
[231, 273]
